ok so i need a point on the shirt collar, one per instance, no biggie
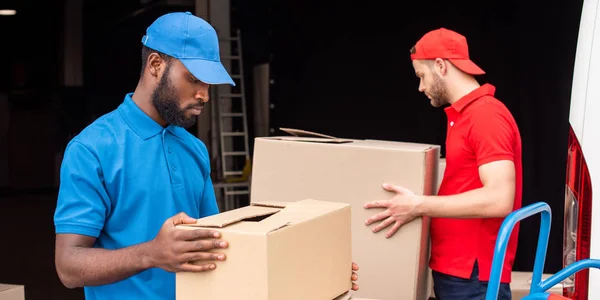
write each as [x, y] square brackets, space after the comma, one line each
[484, 90]
[141, 123]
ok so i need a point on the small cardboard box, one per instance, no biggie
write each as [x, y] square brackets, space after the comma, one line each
[312, 165]
[289, 250]
[521, 284]
[12, 292]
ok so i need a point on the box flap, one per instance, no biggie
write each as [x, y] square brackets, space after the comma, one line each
[309, 136]
[306, 133]
[267, 216]
[233, 216]
[275, 204]
[344, 296]
[405, 146]
[248, 219]
[303, 210]
[7, 287]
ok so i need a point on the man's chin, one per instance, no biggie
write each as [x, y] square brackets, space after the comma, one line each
[187, 123]
[190, 122]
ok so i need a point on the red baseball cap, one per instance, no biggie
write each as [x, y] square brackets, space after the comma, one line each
[446, 44]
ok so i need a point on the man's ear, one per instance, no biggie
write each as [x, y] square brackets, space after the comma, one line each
[155, 63]
[440, 66]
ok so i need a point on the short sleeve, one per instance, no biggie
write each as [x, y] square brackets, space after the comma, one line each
[492, 135]
[208, 203]
[82, 203]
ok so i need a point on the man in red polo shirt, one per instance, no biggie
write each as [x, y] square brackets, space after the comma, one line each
[482, 182]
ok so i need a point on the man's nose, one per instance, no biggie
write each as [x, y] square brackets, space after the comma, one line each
[202, 96]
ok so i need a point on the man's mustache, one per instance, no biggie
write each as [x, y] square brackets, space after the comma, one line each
[193, 106]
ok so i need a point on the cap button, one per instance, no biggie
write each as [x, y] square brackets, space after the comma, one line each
[187, 12]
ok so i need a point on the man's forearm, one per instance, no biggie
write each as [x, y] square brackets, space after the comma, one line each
[485, 202]
[94, 266]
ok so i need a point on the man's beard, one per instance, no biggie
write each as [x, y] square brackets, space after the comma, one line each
[439, 92]
[165, 99]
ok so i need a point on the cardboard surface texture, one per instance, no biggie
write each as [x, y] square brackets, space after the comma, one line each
[352, 171]
[12, 292]
[349, 296]
[345, 296]
[276, 250]
[521, 284]
[441, 170]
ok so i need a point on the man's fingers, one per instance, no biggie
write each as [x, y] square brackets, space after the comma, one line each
[393, 230]
[198, 234]
[204, 245]
[354, 276]
[378, 217]
[187, 267]
[355, 287]
[396, 189]
[380, 203]
[354, 267]
[182, 218]
[199, 257]
[387, 222]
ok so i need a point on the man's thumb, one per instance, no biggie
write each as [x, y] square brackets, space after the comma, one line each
[394, 188]
[183, 218]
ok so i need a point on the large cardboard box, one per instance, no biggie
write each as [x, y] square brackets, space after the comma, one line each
[521, 284]
[277, 250]
[12, 292]
[309, 165]
[441, 170]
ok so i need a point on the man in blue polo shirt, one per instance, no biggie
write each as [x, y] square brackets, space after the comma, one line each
[135, 173]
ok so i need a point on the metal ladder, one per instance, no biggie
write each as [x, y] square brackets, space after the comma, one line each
[233, 130]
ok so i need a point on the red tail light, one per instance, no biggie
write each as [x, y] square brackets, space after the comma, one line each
[578, 217]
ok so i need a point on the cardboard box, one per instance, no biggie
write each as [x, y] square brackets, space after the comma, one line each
[521, 284]
[441, 170]
[310, 165]
[12, 292]
[349, 296]
[277, 250]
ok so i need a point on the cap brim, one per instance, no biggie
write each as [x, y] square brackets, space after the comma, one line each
[207, 71]
[467, 66]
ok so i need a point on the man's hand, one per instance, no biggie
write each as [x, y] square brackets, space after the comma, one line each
[400, 209]
[174, 249]
[354, 277]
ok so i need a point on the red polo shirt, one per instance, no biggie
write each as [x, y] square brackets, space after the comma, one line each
[480, 130]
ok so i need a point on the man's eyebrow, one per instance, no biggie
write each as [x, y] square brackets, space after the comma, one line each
[192, 76]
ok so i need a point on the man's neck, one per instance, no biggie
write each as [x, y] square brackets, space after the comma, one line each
[142, 97]
[462, 87]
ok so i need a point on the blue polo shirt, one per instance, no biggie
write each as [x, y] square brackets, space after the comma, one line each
[121, 178]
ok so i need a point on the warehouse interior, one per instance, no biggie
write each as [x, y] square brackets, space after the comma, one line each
[329, 67]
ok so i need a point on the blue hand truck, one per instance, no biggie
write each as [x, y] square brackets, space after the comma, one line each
[538, 286]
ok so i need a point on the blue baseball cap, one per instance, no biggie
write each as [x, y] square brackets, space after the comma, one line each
[192, 41]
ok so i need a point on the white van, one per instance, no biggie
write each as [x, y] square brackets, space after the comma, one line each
[582, 214]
